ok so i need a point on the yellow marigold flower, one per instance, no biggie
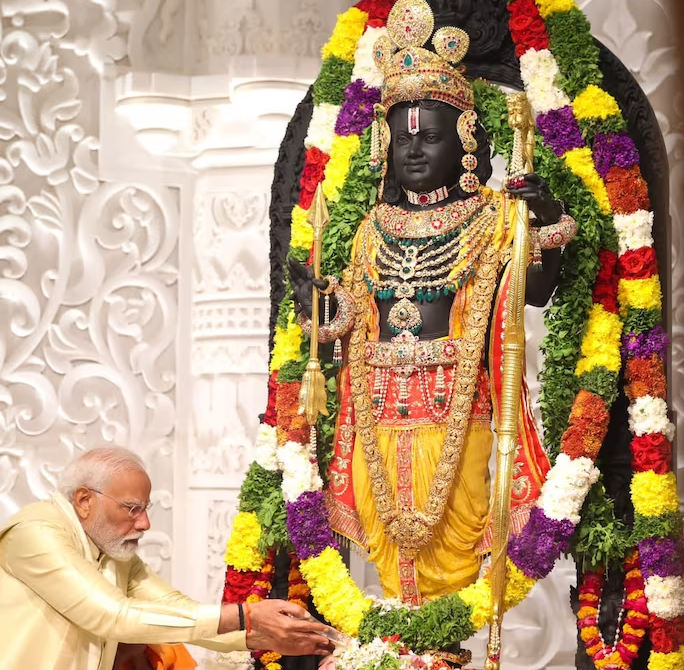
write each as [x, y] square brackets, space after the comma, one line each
[301, 232]
[273, 666]
[479, 597]
[595, 649]
[347, 33]
[343, 148]
[654, 494]
[548, 7]
[595, 103]
[673, 661]
[518, 586]
[581, 163]
[334, 592]
[270, 657]
[241, 551]
[613, 660]
[640, 294]
[639, 632]
[589, 633]
[586, 611]
[601, 343]
[286, 344]
[253, 598]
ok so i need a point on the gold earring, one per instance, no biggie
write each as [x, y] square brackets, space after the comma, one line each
[379, 149]
[466, 127]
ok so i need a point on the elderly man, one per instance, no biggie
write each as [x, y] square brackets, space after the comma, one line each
[72, 587]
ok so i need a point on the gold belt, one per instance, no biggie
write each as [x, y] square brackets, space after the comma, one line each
[407, 349]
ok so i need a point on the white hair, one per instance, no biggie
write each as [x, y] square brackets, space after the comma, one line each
[96, 468]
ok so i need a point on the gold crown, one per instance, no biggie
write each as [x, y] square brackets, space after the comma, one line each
[414, 73]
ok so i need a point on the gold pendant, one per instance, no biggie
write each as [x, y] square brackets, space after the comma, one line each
[405, 315]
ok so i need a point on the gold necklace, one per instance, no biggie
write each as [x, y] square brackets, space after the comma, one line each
[409, 528]
[428, 223]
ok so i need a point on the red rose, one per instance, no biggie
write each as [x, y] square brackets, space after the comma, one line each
[312, 173]
[651, 452]
[661, 641]
[638, 263]
[238, 585]
[527, 27]
[606, 295]
[376, 9]
[270, 417]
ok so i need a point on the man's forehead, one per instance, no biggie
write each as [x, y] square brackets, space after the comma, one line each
[130, 486]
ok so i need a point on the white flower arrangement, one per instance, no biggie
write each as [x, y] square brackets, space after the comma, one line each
[364, 63]
[265, 448]
[649, 415]
[377, 653]
[322, 127]
[566, 487]
[634, 230]
[665, 596]
[539, 71]
[300, 474]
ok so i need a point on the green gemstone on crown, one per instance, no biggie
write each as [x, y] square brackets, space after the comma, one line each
[408, 60]
[452, 44]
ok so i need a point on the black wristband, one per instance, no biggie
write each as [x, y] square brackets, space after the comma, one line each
[241, 616]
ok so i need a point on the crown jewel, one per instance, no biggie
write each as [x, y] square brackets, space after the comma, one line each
[413, 73]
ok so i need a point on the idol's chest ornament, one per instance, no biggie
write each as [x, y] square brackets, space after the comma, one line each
[417, 257]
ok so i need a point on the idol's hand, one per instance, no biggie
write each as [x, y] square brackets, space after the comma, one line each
[535, 192]
[302, 281]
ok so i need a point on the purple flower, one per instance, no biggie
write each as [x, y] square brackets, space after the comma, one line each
[307, 524]
[560, 130]
[614, 149]
[662, 557]
[535, 549]
[644, 345]
[357, 110]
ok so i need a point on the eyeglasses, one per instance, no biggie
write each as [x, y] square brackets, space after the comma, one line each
[134, 511]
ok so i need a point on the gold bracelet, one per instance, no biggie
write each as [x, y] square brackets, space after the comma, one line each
[344, 317]
[552, 236]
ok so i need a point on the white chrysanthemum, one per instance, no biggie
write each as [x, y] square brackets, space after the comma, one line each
[358, 655]
[665, 596]
[539, 71]
[634, 230]
[649, 415]
[265, 448]
[322, 127]
[299, 473]
[566, 487]
[364, 64]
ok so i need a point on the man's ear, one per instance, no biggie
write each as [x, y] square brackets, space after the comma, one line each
[83, 502]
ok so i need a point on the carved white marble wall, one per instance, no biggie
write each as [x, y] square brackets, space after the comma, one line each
[89, 268]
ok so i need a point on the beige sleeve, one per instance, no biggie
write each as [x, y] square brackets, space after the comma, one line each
[42, 556]
[143, 583]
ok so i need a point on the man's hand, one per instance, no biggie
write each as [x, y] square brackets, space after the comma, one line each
[134, 654]
[286, 628]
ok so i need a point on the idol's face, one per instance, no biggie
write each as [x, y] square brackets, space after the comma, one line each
[426, 150]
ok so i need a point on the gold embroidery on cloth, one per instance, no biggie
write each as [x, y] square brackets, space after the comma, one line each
[411, 529]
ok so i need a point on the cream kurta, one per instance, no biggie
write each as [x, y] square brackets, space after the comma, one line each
[63, 607]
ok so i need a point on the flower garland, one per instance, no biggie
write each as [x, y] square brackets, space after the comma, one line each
[627, 299]
[337, 147]
[629, 637]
